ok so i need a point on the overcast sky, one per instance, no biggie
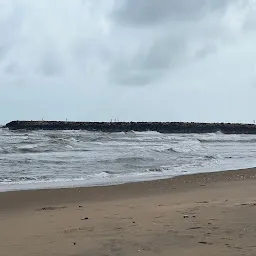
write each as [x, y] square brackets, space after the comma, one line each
[136, 60]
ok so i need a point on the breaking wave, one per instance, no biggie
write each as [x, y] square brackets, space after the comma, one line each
[56, 157]
[252, 140]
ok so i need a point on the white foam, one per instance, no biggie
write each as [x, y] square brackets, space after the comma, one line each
[79, 158]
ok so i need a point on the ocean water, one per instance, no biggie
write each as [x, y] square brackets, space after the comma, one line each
[49, 159]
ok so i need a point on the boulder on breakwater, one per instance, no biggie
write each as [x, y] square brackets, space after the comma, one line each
[162, 127]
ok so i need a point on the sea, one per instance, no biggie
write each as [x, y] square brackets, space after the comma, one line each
[54, 159]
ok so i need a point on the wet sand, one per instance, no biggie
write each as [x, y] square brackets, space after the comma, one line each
[201, 214]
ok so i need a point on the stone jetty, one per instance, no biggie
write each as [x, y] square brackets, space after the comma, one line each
[162, 127]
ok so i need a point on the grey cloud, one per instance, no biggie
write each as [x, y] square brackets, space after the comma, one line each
[164, 53]
[50, 64]
[150, 12]
[3, 50]
[11, 68]
[205, 51]
[131, 77]
[250, 22]
[150, 63]
[9, 30]
[183, 22]
[82, 51]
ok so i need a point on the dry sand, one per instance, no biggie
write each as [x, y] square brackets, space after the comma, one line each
[203, 214]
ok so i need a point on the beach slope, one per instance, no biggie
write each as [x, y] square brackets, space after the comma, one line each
[201, 214]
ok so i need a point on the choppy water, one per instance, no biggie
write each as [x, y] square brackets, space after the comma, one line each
[40, 159]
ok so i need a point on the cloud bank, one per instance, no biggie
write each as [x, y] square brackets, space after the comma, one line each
[147, 60]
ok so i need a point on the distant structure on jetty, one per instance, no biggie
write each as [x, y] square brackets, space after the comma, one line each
[162, 127]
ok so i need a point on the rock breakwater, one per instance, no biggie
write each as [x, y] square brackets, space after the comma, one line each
[162, 127]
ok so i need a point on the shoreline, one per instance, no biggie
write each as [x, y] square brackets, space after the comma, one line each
[197, 214]
[115, 181]
[101, 193]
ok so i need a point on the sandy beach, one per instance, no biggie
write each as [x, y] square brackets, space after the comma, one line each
[200, 214]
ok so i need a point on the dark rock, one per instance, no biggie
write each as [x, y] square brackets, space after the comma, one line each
[51, 208]
[163, 127]
[203, 242]
[195, 228]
